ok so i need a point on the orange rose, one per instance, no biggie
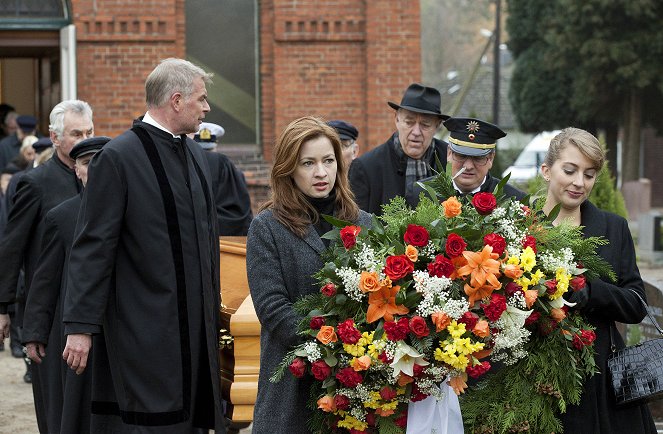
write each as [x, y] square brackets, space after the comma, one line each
[361, 364]
[441, 320]
[530, 297]
[412, 253]
[482, 354]
[404, 379]
[326, 403]
[369, 281]
[557, 314]
[452, 207]
[384, 413]
[326, 335]
[513, 271]
[481, 329]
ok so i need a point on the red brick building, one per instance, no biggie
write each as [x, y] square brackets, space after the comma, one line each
[336, 59]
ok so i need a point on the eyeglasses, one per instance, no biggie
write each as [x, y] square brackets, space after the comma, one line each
[347, 144]
[476, 160]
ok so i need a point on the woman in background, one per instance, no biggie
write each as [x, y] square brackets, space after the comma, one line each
[308, 179]
[574, 160]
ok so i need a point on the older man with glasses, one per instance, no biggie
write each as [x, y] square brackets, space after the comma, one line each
[471, 152]
[393, 168]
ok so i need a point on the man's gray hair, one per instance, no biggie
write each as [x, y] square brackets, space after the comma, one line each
[56, 117]
[170, 76]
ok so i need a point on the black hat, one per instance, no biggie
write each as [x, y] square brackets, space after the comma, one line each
[42, 144]
[88, 146]
[472, 137]
[344, 130]
[420, 99]
[26, 123]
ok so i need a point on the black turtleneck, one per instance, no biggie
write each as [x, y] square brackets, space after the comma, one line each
[324, 205]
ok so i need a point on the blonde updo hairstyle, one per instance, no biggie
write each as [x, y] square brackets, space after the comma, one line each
[587, 144]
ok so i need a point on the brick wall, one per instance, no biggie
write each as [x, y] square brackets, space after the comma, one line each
[118, 43]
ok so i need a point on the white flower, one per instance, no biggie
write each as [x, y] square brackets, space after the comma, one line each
[404, 359]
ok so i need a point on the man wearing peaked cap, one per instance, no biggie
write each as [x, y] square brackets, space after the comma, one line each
[10, 146]
[348, 135]
[231, 194]
[393, 168]
[42, 324]
[471, 152]
[42, 144]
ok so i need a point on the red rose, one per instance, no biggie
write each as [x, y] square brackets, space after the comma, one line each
[317, 322]
[512, 288]
[495, 241]
[485, 203]
[347, 332]
[341, 402]
[329, 290]
[384, 358]
[441, 267]
[298, 367]
[349, 236]
[547, 325]
[320, 370]
[470, 319]
[532, 318]
[398, 267]
[529, 241]
[401, 421]
[551, 286]
[455, 245]
[387, 393]
[417, 394]
[416, 235]
[418, 326]
[478, 370]
[349, 377]
[370, 419]
[585, 338]
[396, 330]
[578, 282]
[417, 370]
[494, 309]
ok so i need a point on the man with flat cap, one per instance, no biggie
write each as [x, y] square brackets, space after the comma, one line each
[231, 195]
[393, 168]
[67, 395]
[348, 135]
[471, 152]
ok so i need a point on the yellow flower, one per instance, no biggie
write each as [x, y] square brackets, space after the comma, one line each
[456, 330]
[528, 259]
[375, 348]
[355, 350]
[563, 278]
[350, 422]
[513, 260]
[524, 282]
[536, 277]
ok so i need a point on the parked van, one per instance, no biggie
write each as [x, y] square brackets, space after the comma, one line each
[529, 161]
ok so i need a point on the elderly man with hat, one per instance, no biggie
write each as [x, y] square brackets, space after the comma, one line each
[393, 168]
[471, 153]
[231, 195]
[10, 146]
[68, 394]
[348, 135]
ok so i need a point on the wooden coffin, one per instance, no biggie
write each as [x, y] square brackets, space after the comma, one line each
[239, 341]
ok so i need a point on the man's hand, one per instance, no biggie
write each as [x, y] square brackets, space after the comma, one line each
[36, 351]
[4, 326]
[76, 351]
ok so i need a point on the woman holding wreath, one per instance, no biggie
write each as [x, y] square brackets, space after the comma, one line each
[308, 179]
[574, 160]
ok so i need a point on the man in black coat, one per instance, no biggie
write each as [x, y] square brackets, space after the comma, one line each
[144, 268]
[393, 168]
[471, 152]
[10, 146]
[38, 191]
[231, 195]
[68, 395]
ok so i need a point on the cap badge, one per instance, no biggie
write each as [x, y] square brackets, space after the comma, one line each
[205, 134]
[472, 127]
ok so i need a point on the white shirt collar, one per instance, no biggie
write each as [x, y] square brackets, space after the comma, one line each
[150, 120]
[476, 190]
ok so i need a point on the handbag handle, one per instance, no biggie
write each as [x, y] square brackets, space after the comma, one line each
[613, 348]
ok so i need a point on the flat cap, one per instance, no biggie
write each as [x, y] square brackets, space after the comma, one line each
[42, 144]
[88, 146]
[345, 130]
[26, 123]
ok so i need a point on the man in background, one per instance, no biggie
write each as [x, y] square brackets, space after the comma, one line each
[348, 135]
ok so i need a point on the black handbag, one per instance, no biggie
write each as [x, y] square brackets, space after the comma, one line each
[636, 372]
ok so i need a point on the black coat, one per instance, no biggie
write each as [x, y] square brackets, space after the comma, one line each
[144, 265]
[68, 394]
[608, 302]
[379, 175]
[233, 203]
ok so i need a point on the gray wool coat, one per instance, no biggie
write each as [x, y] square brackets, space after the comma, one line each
[280, 266]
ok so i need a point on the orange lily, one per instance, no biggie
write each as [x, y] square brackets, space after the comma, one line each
[482, 266]
[476, 294]
[459, 262]
[458, 384]
[382, 304]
